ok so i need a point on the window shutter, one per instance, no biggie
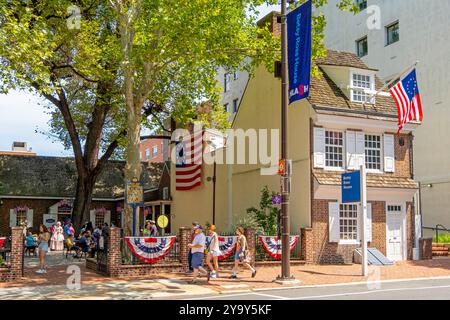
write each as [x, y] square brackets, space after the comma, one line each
[30, 218]
[319, 148]
[108, 217]
[360, 149]
[92, 217]
[12, 218]
[369, 223]
[333, 222]
[389, 156]
[350, 144]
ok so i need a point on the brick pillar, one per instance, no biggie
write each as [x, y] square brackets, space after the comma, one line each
[17, 246]
[251, 238]
[307, 245]
[185, 239]
[114, 253]
[426, 248]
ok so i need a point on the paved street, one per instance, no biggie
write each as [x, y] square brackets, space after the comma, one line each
[435, 289]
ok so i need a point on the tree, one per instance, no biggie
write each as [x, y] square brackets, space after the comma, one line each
[266, 214]
[122, 61]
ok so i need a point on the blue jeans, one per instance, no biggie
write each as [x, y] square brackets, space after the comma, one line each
[190, 260]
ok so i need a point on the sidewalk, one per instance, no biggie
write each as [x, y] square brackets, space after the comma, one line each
[94, 286]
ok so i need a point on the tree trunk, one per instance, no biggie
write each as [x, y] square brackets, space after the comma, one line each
[83, 200]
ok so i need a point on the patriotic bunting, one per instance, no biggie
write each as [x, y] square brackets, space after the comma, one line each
[150, 249]
[273, 245]
[226, 245]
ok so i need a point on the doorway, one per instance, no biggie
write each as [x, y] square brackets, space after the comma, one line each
[395, 232]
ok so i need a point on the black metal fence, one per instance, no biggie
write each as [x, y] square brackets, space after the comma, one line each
[262, 255]
[438, 229]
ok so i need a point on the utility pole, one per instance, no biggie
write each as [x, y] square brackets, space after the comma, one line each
[286, 175]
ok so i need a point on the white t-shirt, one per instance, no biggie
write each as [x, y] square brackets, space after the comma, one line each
[199, 239]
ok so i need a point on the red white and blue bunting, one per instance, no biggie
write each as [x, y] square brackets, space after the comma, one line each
[273, 245]
[150, 249]
[2, 242]
[226, 245]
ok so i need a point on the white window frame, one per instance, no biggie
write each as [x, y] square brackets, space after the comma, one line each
[147, 154]
[353, 88]
[226, 82]
[17, 216]
[381, 170]
[235, 105]
[154, 154]
[349, 241]
[344, 152]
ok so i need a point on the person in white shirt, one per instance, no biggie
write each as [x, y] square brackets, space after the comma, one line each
[198, 252]
[213, 252]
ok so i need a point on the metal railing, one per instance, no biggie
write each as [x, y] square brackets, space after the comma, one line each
[438, 228]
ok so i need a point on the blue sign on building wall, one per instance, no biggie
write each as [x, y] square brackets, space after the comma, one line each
[351, 187]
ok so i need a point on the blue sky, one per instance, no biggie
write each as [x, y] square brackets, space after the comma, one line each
[22, 114]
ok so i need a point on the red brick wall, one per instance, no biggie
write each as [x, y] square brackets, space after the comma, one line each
[148, 144]
[15, 268]
[41, 207]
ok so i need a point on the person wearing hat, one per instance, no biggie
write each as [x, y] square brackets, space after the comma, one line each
[153, 229]
[198, 252]
[213, 252]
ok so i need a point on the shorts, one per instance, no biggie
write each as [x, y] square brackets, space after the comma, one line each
[214, 253]
[43, 246]
[197, 260]
[237, 255]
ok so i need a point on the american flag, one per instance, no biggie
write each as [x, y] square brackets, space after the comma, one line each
[407, 97]
[188, 171]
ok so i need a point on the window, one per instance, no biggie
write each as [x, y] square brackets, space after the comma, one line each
[236, 75]
[147, 154]
[362, 48]
[348, 221]
[155, 151]
[360, 83]
[334, 145]
[362, 4]
[235, 105]
[225, 106]
[373, 151]
[394, 209]
[21, 217]
[99, 219]
[227, 82]
[392, 33]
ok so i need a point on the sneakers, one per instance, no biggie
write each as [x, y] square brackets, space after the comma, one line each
[253, 274]
[233, 276]
[40, 271]
[214, 275]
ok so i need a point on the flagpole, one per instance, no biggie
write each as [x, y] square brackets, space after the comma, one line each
[401, 74]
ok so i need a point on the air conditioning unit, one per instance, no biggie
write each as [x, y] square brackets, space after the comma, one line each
[166, 193]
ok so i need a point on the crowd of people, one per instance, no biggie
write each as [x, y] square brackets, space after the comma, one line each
[199, 247]
[61, 237]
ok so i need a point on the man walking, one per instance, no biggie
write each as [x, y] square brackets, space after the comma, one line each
[198, 252]
[194, 224]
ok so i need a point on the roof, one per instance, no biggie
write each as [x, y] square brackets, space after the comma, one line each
[343, 59]
[57, 177]
[373, 180]
[324, 93]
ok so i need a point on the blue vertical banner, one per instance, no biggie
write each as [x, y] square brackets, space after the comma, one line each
[299, 51]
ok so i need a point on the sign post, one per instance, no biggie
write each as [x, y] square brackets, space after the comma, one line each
[364, 220]
[134, 197]
[354, 189]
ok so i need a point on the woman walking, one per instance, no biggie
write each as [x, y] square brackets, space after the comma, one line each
[57, 239]
[213, 252]
[43, 238]
[242, 254]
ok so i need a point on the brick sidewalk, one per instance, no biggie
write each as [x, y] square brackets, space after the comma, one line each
[307, 274]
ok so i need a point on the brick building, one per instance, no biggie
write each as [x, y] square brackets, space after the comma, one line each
[41, 190]
[154, 150]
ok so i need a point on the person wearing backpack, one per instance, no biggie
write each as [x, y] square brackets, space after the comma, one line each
[242, 254]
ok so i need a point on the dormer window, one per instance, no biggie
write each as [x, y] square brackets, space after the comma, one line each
[361, 84]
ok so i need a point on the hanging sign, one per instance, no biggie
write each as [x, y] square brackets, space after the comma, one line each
[162, 221]
[351, 187]
[134, 193]
[299, 51]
